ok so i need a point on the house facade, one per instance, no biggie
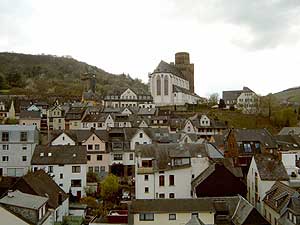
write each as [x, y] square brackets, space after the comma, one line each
[17, 145]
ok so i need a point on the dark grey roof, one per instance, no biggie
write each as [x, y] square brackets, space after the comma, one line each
[61, 154]
[30, 115]
[261, 135]
[195, 221]
[40, 183]
[279, 196]
[146, 111]
[270, 168]
[172, 205]
[233, 95]
[164, 67]
[163, 153]
[288, 142]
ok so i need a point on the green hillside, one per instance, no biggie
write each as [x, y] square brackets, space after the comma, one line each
[56, 76]
[290, 95]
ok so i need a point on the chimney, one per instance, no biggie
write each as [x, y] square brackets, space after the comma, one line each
[10, 193]
[60, 198]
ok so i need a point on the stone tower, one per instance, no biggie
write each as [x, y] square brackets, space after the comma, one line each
[182, 62]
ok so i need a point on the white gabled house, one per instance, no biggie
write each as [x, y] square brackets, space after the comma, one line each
[263, 172]
[66, 164]
[63, 139]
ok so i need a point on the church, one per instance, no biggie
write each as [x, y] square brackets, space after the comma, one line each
[173, 83]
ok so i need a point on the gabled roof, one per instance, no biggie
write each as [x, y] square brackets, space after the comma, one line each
[289, 130]
[60, 154]
[252, 135]
[270, 168]
[164, 67]
[279, 196]
[30, 115]
[40, 183]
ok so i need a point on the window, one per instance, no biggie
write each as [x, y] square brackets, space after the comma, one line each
[99, 157]
[247, 147]
[171, 195]
[161, 195]
[146, 189]
[102, 168]
[162, 180]
[61, 176]
[172, 216]
[50, 169]
[4, 158]
[171, 180]
[141, 135]
[97, 147]
[5, 136]
[24, 158]
[166, 86]
[131, 156]
[24, 148]
[91, 169]
[23, 136]
[88, 157]
[146, 177]
[76, 183]
[5, 147]
[118, 156]
[75, 169]
[158, 86]
[96, 169]
[146, 216]
[90, 147]
[61, 185]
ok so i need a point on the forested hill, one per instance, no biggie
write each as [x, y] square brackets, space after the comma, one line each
[56, 76]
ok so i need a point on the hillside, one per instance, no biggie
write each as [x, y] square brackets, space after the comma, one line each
[290, 95]
[53, 76]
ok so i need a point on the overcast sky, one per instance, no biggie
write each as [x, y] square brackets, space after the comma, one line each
[233, 43]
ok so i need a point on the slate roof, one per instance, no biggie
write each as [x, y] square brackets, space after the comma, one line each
[79, 136]
[195, 221]
[279, 196]
[30, 115]
[17, 127]
[146, 111]
[270, 168]
[164, 67]
[20, 199]
[172, 205]
[40, 183]
[294, 205]
[233, 95]
[261, 135]
[75, 114]
[288, 142]
[62, 154]
[289, 130]
[163, 153]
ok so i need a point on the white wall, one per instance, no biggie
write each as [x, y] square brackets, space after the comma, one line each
[63, 139]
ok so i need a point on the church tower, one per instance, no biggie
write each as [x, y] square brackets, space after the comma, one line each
[182, 62]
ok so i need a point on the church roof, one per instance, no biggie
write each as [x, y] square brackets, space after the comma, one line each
[165, 67]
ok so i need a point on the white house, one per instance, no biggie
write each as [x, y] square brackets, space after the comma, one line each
[17, 144]
[263, 172]
[167, 170]
[67, 164]
[63, 139]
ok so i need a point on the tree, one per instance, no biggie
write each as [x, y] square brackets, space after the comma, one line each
[109, 188]
[213, 99]
[222, 104]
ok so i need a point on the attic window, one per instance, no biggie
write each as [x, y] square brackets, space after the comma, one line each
[42, 154]
[74, 155]
[49, 153]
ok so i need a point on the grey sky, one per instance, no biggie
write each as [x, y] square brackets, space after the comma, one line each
[233, 43]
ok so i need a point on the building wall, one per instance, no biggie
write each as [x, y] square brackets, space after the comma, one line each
[62, 210]
[18, 151]
[270, 214]
[181, 218]
[63, 139]
[67, 176]
[9, 218]
[28, 122]
[140, 137]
